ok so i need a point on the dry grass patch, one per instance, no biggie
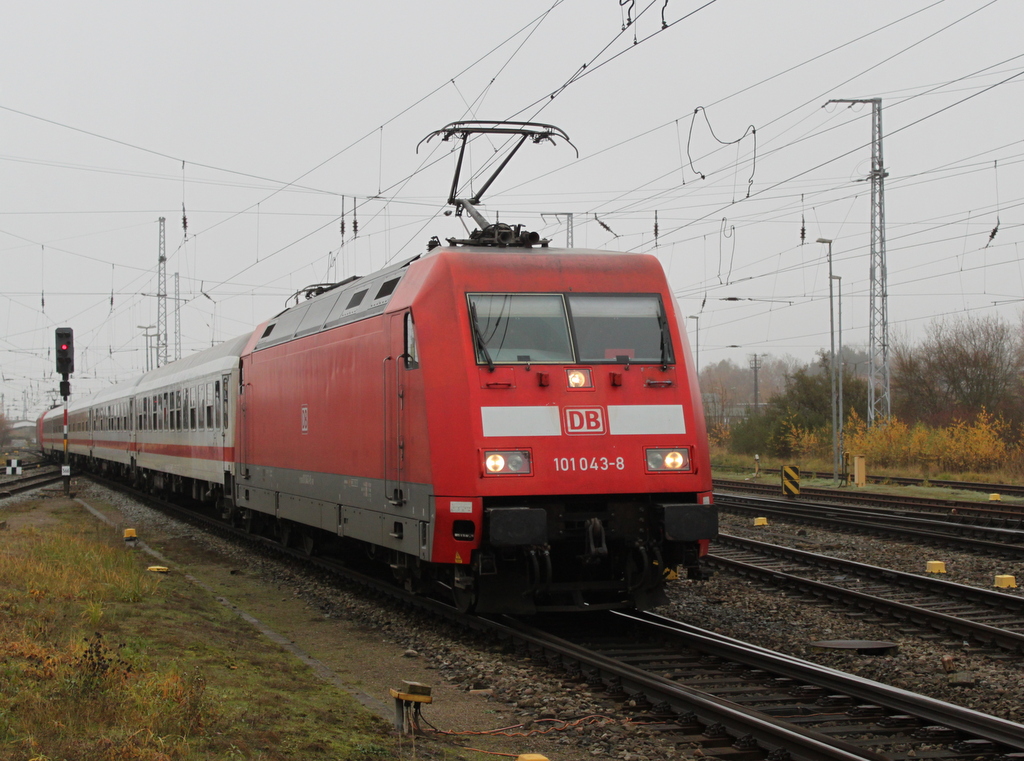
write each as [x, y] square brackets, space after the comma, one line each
[101, 660]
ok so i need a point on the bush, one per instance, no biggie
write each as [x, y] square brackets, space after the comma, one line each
[980, 446]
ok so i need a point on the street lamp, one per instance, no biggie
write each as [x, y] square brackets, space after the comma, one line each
[696, 341]
[840, 364]
[832, 363]
[145, 332]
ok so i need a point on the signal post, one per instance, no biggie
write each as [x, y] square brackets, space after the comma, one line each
[65, 338]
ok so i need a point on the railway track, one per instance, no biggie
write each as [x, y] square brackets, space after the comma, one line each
[11, 485]
[931, 529]
[995, 514]
[739, 701]
[699, 689]
[1014, 490]
[973, 614]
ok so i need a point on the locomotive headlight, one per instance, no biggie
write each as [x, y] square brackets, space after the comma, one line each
[507, 463]
[579, 377]
[668, 459]
[676, 460]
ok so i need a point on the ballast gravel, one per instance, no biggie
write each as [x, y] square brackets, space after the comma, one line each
[541, 699]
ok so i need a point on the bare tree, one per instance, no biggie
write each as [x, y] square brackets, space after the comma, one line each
[962, 366]
[5, 430]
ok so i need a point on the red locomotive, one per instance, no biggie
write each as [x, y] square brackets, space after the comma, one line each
[517, 426]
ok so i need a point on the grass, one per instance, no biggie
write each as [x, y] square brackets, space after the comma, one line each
[101, 660]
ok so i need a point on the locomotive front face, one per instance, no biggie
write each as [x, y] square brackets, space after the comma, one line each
[588, 477]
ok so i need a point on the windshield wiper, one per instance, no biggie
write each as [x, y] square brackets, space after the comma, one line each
[666, 340]
[480, 339]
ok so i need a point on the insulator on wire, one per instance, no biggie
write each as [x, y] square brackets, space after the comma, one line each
[655, 227]
[355, 221]
[803, 230]
[992, 235]
[184, 220]
[604, 225]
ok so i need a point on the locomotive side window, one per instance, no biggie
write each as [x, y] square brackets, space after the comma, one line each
[609, 327]
[519, 328]
[286, 324]
[412, 353]
[316, 313]
[387, 288]
[356, 300]
[344, 303]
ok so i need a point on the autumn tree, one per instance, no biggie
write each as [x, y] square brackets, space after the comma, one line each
[804, 404]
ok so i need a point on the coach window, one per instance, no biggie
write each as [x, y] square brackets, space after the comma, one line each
[153, 412]
[216, 394]
[209, 406]
[224, 388]
[177, 409]
[210, 397]
[200, 404]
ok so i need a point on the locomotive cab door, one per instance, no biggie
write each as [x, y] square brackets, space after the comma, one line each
[403, 357]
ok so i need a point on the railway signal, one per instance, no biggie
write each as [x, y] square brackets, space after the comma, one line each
[65, 351]
[65, 338]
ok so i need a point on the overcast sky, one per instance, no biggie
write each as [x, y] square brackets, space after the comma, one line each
[265, 122]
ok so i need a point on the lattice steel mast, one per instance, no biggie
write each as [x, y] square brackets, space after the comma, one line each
[177, 318]
[879, 398]
[161, 303]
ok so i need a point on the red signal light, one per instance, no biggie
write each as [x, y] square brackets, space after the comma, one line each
[65, 343]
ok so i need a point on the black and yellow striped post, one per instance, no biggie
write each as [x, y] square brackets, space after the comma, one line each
[791, 480]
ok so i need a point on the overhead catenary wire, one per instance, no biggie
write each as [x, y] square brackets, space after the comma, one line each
[669, 218]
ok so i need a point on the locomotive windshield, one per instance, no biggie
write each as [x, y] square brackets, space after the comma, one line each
[518, 327]
[610, 327]
[511, 328]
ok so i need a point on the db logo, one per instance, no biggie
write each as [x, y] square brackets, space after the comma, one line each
[584, 420]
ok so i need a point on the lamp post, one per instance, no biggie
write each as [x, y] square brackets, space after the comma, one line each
[755, 365]
[840, 365]
[696, 341]
[147, 335]
[832, 357]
